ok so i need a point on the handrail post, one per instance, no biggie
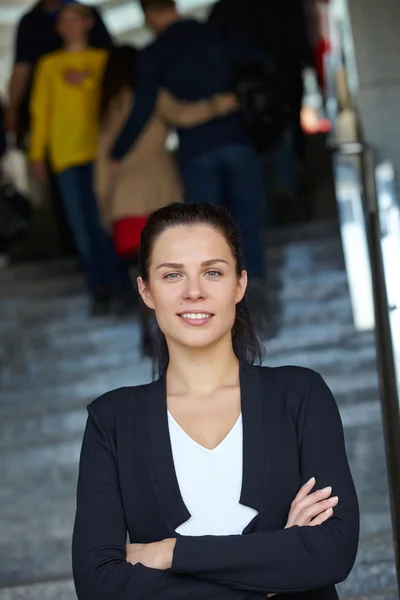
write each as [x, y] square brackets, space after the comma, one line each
[386, 361]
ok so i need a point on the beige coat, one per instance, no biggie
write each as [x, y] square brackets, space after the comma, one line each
[147, 178]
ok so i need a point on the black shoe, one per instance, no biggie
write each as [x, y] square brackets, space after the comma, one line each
[100, 306]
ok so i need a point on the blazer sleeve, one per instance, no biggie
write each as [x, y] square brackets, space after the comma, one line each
[187, 114]
[299, 558]
[99, 564]
[145, 102]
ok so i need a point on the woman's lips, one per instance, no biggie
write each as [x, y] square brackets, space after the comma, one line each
[196, 319]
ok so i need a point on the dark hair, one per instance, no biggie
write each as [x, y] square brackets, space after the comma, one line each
[246, 343]
[119, 74]
[157, 4]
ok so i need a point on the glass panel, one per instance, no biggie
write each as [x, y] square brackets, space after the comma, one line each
[389, 215]
[348, 185]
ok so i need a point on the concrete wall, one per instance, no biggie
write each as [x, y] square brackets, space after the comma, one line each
[376, 32]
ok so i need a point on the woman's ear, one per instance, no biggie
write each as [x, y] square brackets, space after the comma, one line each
[241, 287]
[144, 291]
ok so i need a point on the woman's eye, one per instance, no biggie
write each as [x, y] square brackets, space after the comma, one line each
[171, 276]
[213, 274]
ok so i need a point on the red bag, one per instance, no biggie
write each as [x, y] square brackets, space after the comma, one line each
[127, 234]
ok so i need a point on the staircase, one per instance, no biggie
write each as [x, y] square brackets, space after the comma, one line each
[54, 360]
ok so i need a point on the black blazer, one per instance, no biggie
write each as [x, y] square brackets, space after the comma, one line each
[127, 484]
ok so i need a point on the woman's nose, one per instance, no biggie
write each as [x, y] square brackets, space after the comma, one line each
[194, 288]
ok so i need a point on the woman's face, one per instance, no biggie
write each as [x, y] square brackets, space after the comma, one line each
[193, 286]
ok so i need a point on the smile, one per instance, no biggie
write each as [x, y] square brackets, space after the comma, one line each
[198, 317]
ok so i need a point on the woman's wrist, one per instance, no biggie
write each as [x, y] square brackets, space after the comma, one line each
[168, 556]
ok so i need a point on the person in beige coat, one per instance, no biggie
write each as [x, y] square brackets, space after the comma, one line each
[147, 178]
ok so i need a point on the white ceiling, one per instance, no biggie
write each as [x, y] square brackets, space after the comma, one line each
[123, 18]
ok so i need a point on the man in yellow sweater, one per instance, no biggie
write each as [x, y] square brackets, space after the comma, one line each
[65, 126]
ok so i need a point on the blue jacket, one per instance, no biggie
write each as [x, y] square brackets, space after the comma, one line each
[193, 61]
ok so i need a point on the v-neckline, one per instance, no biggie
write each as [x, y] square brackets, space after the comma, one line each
[165, 481]
[209, 451]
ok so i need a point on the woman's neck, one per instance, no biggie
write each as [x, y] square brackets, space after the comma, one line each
[202, 371]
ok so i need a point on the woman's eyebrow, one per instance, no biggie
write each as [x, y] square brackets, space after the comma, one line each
[170, 265]
[206, 263]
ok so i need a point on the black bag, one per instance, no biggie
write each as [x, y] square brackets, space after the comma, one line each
[265, 102]
[15, 214]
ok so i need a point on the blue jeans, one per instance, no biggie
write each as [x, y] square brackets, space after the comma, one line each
[232, 176]
[104, 271]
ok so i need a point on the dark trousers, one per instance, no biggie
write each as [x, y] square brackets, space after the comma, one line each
[105, 272]
[61, 222]
[232, 176]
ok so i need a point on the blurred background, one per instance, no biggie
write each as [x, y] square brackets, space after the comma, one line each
[331, 242]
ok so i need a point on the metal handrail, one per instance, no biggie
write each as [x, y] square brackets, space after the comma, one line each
[385, 354]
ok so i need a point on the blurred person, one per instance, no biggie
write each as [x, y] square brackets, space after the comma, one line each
[280, 30]
[230, 479]
[217, 160]
[65, 113]
[148, 177]
[37, 35]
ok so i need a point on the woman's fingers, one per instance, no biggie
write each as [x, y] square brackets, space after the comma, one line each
[301, 502]
[313, 511]
[304, 490]
[320, 519]
[308, 506]
[313, 499]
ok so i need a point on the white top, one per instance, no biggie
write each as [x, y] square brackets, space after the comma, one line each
[210, 482]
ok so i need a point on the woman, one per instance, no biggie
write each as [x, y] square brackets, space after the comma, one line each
[204, 468]
[148, 178]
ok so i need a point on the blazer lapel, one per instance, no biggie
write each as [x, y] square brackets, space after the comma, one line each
[166, 483]
[254, 437]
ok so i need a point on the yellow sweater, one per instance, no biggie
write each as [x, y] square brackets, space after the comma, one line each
[65, 115]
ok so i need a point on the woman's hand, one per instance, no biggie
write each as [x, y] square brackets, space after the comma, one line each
[157, 555]
[311, 509]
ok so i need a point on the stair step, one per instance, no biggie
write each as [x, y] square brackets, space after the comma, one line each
[41, 395]
[64, 590]
[122, 336]
[52, 590]
[60, 365]
[374, 569]
[73, 313]
[23, 430]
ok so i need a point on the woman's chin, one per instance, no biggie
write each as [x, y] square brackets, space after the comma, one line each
[200, 339]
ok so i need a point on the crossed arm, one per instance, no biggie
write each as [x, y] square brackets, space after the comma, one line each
[240, 567]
